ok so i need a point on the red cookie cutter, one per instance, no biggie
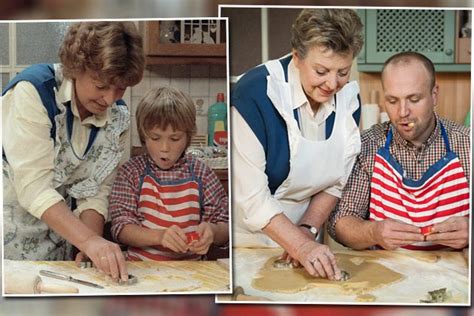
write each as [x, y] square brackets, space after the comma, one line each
[426, 230]
[191, 236]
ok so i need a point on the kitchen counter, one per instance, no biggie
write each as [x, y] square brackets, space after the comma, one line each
[153, 277]
[420, 272]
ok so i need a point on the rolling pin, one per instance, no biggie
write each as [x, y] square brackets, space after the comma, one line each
[239, 295]
[33, 284]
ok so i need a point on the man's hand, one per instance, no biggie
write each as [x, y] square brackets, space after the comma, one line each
[391, 234]
[453, 232]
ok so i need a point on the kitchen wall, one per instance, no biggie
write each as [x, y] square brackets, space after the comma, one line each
[201, 82]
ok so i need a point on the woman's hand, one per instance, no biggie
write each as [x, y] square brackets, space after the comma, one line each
[318, 260]
[286, 256]
[80, 257]
[206, 238]
[174, 238]
[106, 256]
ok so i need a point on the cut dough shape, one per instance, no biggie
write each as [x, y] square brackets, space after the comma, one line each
[365, 277]
[357, 260]
[365, 298]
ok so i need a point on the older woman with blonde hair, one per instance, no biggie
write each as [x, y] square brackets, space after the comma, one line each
[63, 138]
[295, 137]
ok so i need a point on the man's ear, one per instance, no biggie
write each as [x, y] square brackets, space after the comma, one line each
[434, 94]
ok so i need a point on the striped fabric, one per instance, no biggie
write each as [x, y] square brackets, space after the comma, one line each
[165, 205]
[441, 193]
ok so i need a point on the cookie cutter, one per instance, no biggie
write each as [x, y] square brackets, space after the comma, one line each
[131, 280]
[344, 276]
[192, 236]
[282, 264]
[86, 264]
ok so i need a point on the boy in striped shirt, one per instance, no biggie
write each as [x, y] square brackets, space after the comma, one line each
[165, 197]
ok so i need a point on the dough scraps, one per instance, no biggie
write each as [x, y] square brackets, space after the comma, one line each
[366, 276]
[365, 298]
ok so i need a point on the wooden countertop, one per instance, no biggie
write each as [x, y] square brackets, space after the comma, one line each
[422, 272]
[153, 277]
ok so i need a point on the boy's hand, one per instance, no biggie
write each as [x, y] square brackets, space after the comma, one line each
[174, 238]
[206, 234]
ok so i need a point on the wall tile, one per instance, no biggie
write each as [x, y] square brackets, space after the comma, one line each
[141, 88]
[199, 87]
[199, 71]
[180, 71]
[135, 101]
[181, 84]
[217, 86]
[202, 105]
[218, 71]
[163, 71]
[156, 82]
[201, 122]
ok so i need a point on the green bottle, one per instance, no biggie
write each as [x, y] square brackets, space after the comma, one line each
[467, 120]
[217, 122]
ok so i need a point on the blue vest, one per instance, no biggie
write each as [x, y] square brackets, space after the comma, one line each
[43, 78]
[249, 97]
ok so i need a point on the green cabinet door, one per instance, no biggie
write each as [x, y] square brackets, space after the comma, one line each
[430, 32]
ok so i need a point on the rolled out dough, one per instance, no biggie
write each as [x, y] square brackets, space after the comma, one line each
[366, 275]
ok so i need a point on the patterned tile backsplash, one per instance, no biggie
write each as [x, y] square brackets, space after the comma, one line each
[201, 82]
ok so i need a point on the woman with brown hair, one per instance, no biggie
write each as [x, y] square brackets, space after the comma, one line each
[63, 138]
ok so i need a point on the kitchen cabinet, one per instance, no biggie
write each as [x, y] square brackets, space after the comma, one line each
[430, 32]
[463, 36]
[185, 41]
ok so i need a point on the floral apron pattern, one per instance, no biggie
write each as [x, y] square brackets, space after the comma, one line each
[75, 177]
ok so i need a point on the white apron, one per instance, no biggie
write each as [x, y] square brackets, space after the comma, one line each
[314, 165]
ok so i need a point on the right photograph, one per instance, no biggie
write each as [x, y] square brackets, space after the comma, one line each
[350, 153]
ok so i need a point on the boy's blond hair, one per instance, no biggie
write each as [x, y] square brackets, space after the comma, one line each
[165, 106]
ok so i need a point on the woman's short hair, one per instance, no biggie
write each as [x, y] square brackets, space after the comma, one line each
[112, 50]
[339, 30]
[165, 106]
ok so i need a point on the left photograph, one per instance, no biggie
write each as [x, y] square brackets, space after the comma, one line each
[115, 157]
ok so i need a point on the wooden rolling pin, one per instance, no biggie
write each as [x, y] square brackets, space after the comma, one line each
[33, 284]
[239, 295]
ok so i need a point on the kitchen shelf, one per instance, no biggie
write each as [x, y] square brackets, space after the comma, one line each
[162, 49]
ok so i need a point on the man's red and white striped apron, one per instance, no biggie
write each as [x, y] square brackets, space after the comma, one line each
[441, 192]
[164, 204]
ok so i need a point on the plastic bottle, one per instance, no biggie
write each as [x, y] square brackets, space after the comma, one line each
[217, 122]
[467, 120]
